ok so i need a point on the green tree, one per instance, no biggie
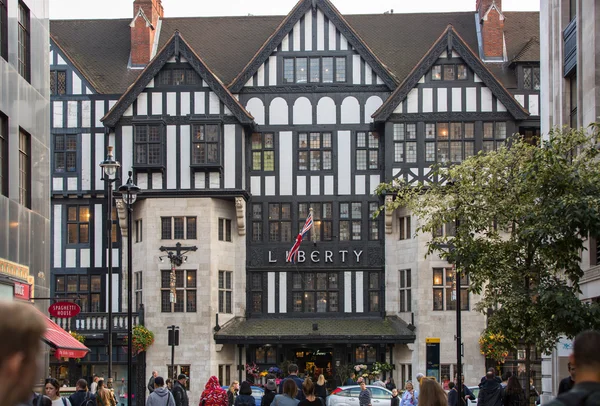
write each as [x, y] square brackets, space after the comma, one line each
[523, 214]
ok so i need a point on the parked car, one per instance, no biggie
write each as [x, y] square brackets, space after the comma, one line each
[348, 396]
[257, 393]
[475, 390]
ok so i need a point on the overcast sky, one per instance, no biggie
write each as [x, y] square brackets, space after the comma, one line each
[69, 9]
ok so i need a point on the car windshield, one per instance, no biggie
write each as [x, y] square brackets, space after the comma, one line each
[257, 393]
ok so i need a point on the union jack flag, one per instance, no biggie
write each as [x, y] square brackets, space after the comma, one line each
[293, 253]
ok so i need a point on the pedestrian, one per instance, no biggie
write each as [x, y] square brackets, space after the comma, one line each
[213, 394]
[293, 375]
[52, 390]
[169, 385]
[491, 392]
[410, 396]
[514, 395]
[289, 395]
[270, 392]
[419, 377]
[567, 383]
[151, 381]
[586, 360]
[351, 379]
[466, 392]
[390, 384]
[160, 396]
[245, 397]
[364, 397]
[232, 392]
[82, 397]
[321, 387]
[378, 382]
[310, 395]
[533, 392]
[94, 385]
[395, 400]
[18, 359]
[505, 377]
[104, 397]
[179, 392]
[431, 393]
[453, 395]
[484, 379]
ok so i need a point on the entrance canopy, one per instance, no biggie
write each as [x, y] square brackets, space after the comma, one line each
[65, 345]
[305, 331]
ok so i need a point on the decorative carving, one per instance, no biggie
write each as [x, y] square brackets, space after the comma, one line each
[181, 120]
[240, 209]
[470, 59]
[286, 27]
[450, 116]
[388, 215]
[375, 257]
[122, 213]
[317, 89]
[256, 257]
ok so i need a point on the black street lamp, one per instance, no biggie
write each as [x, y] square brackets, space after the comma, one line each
[129, 192]
[109, 167]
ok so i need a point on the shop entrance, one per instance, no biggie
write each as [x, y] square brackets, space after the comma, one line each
[313, 362]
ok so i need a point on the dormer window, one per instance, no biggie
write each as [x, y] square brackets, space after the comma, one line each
[531, 78]
[178, 75]
[325, 69]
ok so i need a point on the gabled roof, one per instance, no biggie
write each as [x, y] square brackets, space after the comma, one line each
[73, 62]
[493, 6]
[286, 27]
[529, 53]
[448, 41]
[176, 46]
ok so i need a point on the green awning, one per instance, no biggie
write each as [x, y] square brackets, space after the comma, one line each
[315, 330]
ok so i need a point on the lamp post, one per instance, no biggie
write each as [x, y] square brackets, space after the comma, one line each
[129, 192]
[109, 167]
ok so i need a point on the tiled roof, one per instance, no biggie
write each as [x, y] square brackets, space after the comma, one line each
[343, 329]
[100, 48]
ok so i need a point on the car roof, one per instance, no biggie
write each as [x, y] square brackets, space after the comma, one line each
[368, 386]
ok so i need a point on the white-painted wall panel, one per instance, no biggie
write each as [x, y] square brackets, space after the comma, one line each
[500, 106]
[286, 148]
[185, 103]
[115, 258]
[359, 292]
[214, 103]
[471, 98]
[171, 103]
[521, 99]
[84, 257]
[326, 111]
[70, 258]
[282, 292]
[57, 114]
[127, 148]
[301, 185]
[215, 180]
[329, 189]
[302, 111]
[320, 30]
[343, 43]
[256, 107]
[157, 181]
[412, 101]
[142, 104]
[100, 111]
[456, 99]
[199, 180]
[534, 105]
[60, 60]
[368, 74]
[269, 185]
[477, 79]
[115, 289]
[76, 84]
[86, 161]
[230, 156]
[142, 180]
[399, 108]
[344, 163]
[356, 70]
[348, 292]
[486, 99]
[442, 101]
[332, 37]
[374, 182]
[285, 44]
[157, 104]
[100, 151]
[308, 32]
[427, 100]
[58, 239]
[350, 111]
[278, 112]
[296, 34]
[359, 185]
[98, 240]
[271, 292]
[57, 184]
[111, 104]
[128, 111]
[72, 183]
[272, 70]
[255, 185]
[199, 103]
[260, 76]
[371, 106]
[86, 113]
[315, 185]
[151, 83]
[172, 157]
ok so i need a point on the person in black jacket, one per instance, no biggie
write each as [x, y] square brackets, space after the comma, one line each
[567, 383]
[151, 381]
[395, 398]
[270, 392]
[179, 392]
[81, 396]
[491, 392]
[513, 393]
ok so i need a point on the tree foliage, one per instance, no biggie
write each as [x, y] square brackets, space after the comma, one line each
[523, 213]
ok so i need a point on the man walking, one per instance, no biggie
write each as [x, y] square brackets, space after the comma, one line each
[21, 329]
[293, 374]
[179, 392]
[350, 381]
[81, 396]
[161, 395]
[151, 381]
[586, 360]
[567, 383]
[94, 385]
[491, 392]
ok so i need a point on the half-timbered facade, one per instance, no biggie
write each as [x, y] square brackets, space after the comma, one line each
[236, 128]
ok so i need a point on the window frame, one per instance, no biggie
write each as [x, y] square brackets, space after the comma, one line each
[257, 222]
[139, 230]
[351, 220]
[278, 219]
[161, 146]
[256, 292]
[4, 29]
[4, 178]
[322, 221]
[78, 222]
[189, 72]
[404, 228]
[367, 148]
[224, 230]
[445, 286]
[55, 75]
[306, 291]
[442, 74]
[262, 151]
[405, 294]
[375, 291]
[24, 168]
[533, 70]
[87, 294]
[309, 58]
[308, 149]
[225, 287]
[194, 142]
[24, 41]
[66, 152]
[185, 289]
[170, 234]
[138, 281]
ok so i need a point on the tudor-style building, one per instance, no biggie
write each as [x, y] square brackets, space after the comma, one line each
[235, 128]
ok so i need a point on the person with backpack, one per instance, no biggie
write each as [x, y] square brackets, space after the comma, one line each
[52, 390]
[161, 395]
[586, 360]
[491, 392]
[179, 391]
[104, 396]
[513, 393]
[82, 397]
[245, 397]
[213, 394]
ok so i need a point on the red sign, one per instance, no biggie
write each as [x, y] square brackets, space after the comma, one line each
[64, 310]
[22, 291]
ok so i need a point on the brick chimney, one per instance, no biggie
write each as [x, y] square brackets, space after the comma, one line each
[492, 28]
[146, 14]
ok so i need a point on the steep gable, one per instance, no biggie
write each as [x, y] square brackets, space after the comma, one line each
[176, 47]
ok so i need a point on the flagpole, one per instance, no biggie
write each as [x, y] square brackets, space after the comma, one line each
[313, 234]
